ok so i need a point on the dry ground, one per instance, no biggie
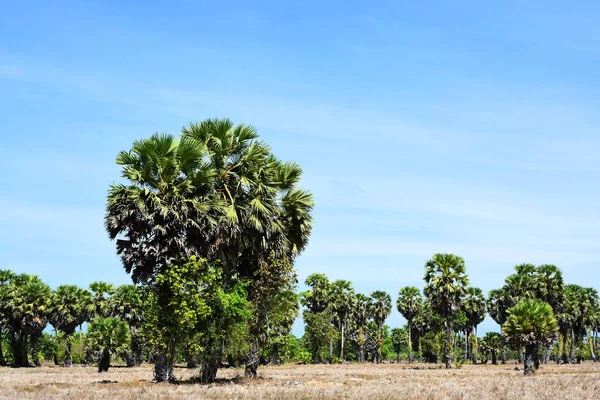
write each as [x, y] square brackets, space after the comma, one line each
[291, 382]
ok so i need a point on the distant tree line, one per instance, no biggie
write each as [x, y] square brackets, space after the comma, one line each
[541, 318]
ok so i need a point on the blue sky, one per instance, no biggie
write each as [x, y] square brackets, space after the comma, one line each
[427, 127]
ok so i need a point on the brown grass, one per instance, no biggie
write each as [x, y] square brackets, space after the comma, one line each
[291, 382]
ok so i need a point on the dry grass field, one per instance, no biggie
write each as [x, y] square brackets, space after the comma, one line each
[291, 382]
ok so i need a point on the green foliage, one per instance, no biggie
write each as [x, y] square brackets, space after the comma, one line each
[107, 335]
[193, 307]
[100, 306]
[319, 331]
[409, 303]
[531, 321]
[445, 283]
[70, 308]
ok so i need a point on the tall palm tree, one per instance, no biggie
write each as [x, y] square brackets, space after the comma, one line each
[107, 336]
[410, 305]
[445, 286]
[101, 297]
[70, 305]
[5, 277]
[361, 313]
[318, 303]
[169, 186]
[342, 295]
[129, 305]
[590, 316]
[474, 308]
[530, 323]
[218, 192]
[167, 200]
[26, 304]
[381, 307]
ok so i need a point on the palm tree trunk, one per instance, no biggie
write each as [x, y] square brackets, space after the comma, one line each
[520, 355]
[361, 353]
[208, 370]
[68, 345]
[331, 351]
[104, 361]
[474, 346]
[591, 341]
[572, 345]
[494, 358]
[342, 344]
[2, 359]
[379, 345]
[163, 366]
[138, 352]
[466, 355]
[130, 359]
[448, 347]
[252, 361]
[410, 352]
[530, 355]
[20, 350]
[35, 350]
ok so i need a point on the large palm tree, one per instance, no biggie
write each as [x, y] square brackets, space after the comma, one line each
[169, 186]
[70, 305]
[410, 305]
[474, 308]
[445, 286]
[217, 192]
[342, 295]
[530, 323]
[381, 307]
[105, 337]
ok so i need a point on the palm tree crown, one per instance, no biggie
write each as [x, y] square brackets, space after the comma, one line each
[445, 282]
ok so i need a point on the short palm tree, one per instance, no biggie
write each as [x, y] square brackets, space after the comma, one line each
[381, 307]
[107, 336]
[445, 286]
[410, 305]
[492, 343]
[70, 305]
[399, 336]
[530, 324]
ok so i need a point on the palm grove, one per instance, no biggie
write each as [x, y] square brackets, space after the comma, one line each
[209, 224]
